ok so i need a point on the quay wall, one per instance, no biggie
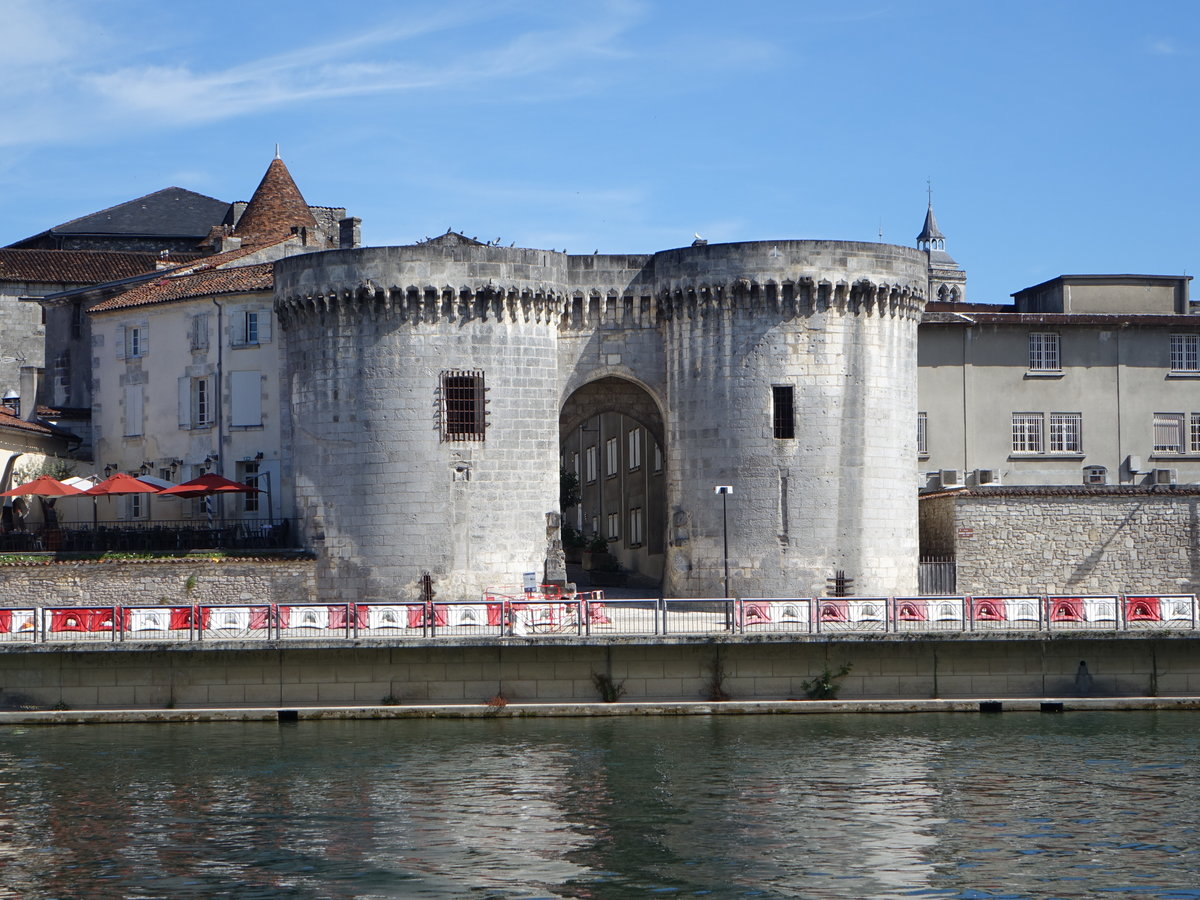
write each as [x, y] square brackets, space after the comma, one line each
[660, 669]
[160, 582]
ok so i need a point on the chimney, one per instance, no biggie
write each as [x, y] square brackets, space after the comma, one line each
[29, 386]
[350, 233]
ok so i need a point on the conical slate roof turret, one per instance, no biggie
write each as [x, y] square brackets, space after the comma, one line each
[277, 207]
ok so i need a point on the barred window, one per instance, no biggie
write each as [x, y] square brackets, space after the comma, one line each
[1185, 353]
[923, 433]
[463, 403]
[1195, 433]
[1043, 352]
[1095, 475]
[1066, 432]
[1027, 433]
[1168, 432]
[783, 413]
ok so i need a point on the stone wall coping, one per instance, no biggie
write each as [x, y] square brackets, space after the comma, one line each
[1110, 490]
[296, 713]
[141, 648]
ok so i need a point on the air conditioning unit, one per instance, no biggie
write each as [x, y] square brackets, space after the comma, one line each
[987, 476]
[1164, 476]
[951, 478]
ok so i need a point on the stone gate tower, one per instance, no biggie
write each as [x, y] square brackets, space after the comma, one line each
[426, 387]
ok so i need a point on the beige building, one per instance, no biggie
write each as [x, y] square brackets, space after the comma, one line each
[1086, 380]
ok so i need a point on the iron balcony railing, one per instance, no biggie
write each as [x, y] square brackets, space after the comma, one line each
[533, 616]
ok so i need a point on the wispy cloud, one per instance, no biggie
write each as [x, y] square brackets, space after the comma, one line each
[76, 89]
[1162, 47]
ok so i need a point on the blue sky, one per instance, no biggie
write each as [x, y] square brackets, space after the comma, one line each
[1059, 137]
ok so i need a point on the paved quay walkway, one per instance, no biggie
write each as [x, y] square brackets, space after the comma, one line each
[297, 714]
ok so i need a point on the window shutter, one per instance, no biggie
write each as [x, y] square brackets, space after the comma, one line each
[133, 410]
[185, 402]
[144, 328]
[120, 342]
[246, 388]
[237, 326]
[264, 325]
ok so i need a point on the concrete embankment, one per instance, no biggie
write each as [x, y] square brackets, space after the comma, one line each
[588, 710]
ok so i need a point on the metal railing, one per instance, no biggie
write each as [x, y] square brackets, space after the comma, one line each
[154, 536]
[531, 616]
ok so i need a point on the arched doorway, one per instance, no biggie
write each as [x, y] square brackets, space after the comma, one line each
[611, 432]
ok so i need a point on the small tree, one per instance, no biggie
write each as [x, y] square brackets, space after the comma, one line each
[568, 490]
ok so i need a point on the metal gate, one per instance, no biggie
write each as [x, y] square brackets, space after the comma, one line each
[937, 575]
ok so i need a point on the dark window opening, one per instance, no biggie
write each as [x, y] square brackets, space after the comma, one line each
[462, 406]
[784, 415]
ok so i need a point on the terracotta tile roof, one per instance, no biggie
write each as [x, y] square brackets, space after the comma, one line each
[205, 282]
[276, 207]
[8, 420]
[73, 266]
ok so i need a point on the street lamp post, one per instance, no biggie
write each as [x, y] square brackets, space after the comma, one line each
[725, 490]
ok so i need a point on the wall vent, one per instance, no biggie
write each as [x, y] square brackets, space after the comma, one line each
[1164, 476]
[987, 476]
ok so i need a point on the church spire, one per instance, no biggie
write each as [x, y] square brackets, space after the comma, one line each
[947, 280]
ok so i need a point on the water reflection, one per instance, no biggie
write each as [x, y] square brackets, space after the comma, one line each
[807, 806]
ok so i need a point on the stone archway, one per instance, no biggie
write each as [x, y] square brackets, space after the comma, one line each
[612, 435]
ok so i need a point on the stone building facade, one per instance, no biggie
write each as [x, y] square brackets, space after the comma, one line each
[428, 389]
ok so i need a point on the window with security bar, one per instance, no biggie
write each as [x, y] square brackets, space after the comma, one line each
[1168, 432]
[1043, 352]
[923, 433]
[1185, 353]
[463, 406]
[1066, 432]
[1195, 433]
[1027, 433]
[783, 411]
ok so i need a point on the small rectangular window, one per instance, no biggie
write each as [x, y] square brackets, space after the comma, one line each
[1195, 433]
[1043, 352]
[590, 460]
[1026, 432]
[1185, 353]
[251, 330]
[635, 449]
[635, 527]
[614, 526]
[611, 453]
[246, 474]
[658, 459]
[1066, 432]
[1168, 432]
[923, 433]
[783, 413]
[463, 414]
[202, 406]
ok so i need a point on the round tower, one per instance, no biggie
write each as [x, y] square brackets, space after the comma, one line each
[422, 394]
[791, 379]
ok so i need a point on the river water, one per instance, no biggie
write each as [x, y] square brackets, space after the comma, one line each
[1014, 805]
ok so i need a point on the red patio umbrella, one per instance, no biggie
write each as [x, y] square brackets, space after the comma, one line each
[121, 483]
[208, 484]
[43, 486]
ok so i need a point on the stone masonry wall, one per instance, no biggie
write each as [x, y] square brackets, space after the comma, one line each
[1041, 542]
[155, 583]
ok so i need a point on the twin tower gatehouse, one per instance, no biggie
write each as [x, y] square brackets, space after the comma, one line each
[429, 390]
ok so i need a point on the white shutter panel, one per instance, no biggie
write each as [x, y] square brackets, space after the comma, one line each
[120, 342]
[185, 402]
[237, 327]
[264, 326]
[133, 410]
[144, 328]
[246, 388]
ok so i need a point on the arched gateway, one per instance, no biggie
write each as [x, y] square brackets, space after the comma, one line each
[429, 388]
